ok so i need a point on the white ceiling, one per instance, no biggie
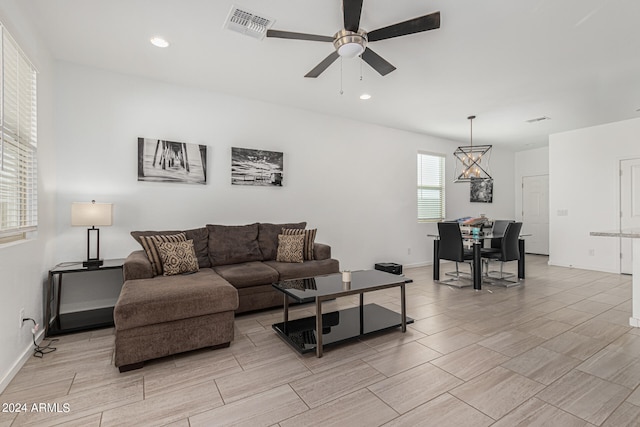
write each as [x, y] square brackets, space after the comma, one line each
[506, 61]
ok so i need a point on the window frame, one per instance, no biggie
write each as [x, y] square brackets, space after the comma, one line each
[441, 187]
[18, 141]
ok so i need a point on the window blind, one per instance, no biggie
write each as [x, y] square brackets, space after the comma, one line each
[18, 141]
[431, 200]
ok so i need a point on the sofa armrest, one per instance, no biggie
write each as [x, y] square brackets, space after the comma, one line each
[321, 251]
[137, 266]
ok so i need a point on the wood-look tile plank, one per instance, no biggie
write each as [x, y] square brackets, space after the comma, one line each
[263, 409]
[320, 388]
[450, 340]
[615, 366]
[542, 365]
[86, 404]
[470, 361]
[511, 343]
[497, 392]
[244, 384]
[414, 387]
[361, 408]
[401, 358]
[537, 413]
[626, 415]
[585, 396]
[165, 408]
[445, 410]
[575, 345]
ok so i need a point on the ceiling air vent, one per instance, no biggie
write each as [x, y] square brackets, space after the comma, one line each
[538, 119]
[248, 23]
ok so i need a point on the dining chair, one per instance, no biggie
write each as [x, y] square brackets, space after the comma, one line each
[452, 249]
[498, 229]
[509, 251]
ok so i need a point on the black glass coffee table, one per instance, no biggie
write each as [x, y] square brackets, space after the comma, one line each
[342, 325]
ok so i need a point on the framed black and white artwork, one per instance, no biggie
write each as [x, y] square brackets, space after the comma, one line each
[256, 167]
[482, 190]
[169, 161]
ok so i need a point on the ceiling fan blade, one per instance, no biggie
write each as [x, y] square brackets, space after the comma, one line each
[298, 36]
[323, 65]
[377, 62]
[352, 10]
[415, 25]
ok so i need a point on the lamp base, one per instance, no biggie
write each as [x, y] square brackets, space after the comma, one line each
[92, 263]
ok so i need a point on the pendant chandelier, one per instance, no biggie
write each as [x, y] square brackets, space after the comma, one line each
[472, 160]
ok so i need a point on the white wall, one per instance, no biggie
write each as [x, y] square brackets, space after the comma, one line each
[355, 182]
[23, 265]
[584, 182]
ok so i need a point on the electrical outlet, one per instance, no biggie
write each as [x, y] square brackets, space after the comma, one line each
[408, 251]
[21, 317]
[592, 252]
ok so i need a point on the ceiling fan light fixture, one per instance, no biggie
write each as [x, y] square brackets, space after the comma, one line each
[350, 44]
[159, 42]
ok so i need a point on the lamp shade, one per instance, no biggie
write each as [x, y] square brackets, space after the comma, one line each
[91, 214]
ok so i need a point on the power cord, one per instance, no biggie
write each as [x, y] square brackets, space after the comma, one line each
[39, 351]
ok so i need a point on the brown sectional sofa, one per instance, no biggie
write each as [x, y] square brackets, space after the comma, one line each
[163, 315]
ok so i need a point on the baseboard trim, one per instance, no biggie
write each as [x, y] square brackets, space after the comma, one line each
[418, 264]
[28, 352]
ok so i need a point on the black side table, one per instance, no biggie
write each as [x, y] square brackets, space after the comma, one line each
[57, 323]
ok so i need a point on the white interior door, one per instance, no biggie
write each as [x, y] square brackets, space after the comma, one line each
[535, 213]
[629, 208]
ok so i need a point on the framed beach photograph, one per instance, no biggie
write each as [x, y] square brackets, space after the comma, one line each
[256, 167]
[482, 190]
[169, 161]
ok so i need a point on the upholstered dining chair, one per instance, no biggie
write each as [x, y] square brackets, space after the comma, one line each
[452, 249]
[498, 229]
[509, 251]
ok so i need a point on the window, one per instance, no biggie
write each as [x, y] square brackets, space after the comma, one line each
[18, 137]
[430, 187]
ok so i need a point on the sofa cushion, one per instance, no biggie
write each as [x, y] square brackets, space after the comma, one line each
[247, 274]
[288, 270]
[309, 240]
[178, 258]
[233, 244]
[150, 245]
[268, 237]
[200, 237]
[168, 298]
[290, 248]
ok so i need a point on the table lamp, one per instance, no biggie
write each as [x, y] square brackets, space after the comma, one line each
[91, 214]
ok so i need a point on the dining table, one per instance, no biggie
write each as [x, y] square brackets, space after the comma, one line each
[477, 242]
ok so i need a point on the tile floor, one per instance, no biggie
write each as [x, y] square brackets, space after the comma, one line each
[556, 351]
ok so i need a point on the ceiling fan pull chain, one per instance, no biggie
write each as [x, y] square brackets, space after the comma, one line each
[360, 67]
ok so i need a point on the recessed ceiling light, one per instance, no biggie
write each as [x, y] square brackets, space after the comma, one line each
[365, 96]
[159, 42]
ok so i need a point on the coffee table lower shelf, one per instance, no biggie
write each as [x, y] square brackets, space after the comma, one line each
[338, 326]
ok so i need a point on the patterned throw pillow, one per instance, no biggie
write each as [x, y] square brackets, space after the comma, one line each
[150, 245]
[290, 248]
[309, 238]
[178, 257]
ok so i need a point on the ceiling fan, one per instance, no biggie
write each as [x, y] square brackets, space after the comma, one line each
[352, 41]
